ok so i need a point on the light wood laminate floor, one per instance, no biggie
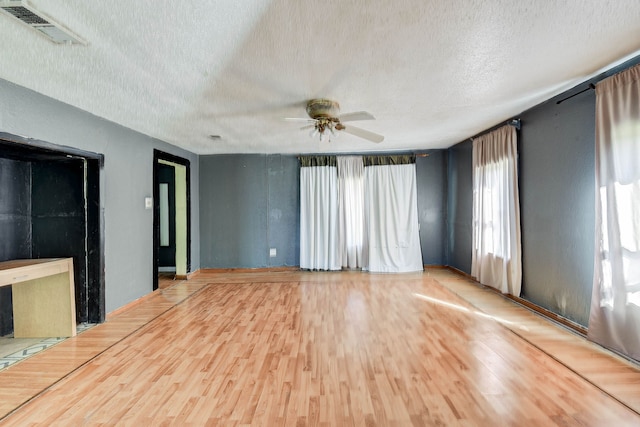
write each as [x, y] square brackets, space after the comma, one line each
[301, 348]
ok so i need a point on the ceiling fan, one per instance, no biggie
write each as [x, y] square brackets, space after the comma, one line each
[324, 119]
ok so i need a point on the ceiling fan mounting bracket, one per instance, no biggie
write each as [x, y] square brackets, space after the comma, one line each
[322, 108]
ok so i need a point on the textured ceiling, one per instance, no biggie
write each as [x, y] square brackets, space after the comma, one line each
[432, 72]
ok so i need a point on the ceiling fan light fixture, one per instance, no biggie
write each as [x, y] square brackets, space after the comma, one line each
[325, 119]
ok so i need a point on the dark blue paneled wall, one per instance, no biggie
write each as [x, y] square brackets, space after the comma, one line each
[250, 203]
[431, 175]
[459, 206]
[556, 179]
[283, 207]
[557, 198]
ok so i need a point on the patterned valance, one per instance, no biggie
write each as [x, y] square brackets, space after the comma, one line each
[375, 160]
[309, 161]
[404, 159]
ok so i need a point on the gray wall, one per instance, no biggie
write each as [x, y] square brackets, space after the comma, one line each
[556, 179]
[249, 204]
[126, 181]
[557, 169]
[459, 206]
[431, 175]
[284, 221]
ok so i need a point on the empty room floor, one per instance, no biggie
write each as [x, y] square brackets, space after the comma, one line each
[339, 348]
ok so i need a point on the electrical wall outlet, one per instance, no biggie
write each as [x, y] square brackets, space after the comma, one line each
[273, 252]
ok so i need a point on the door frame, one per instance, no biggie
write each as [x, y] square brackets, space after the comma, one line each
[157, 157]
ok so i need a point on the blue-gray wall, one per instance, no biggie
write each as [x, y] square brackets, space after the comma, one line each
[557, 198]
[431, 175]
[126, 180]
[556, 179]
[557, 201]
[249, 204]
[459, 206]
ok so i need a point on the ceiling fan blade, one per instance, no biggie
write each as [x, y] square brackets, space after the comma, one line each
[357, 115]
[299, 119]
[373, 137]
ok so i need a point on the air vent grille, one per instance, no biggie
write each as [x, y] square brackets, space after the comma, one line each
[25, 15]
[28, 15]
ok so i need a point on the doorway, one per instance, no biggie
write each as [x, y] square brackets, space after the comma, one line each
[167, 205]
[171, 216]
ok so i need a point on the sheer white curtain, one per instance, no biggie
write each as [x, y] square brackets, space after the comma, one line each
[392, 236]
[496, 259]
[350, 209]
[319, 248]
[615, 304]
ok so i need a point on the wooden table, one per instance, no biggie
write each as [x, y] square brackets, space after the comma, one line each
[43, 291]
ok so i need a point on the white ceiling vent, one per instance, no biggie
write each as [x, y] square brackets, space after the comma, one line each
[28, 15]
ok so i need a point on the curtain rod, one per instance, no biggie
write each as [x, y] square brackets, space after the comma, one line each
[590, 87]
[512, 122]
[360, 154]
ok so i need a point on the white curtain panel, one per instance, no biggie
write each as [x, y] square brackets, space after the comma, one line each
[392, 234]
[496, 258]
[615, 304]
[350, 210]
[319, 248]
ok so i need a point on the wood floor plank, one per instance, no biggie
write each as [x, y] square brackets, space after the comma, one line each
[613, 374]
[322, 349]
